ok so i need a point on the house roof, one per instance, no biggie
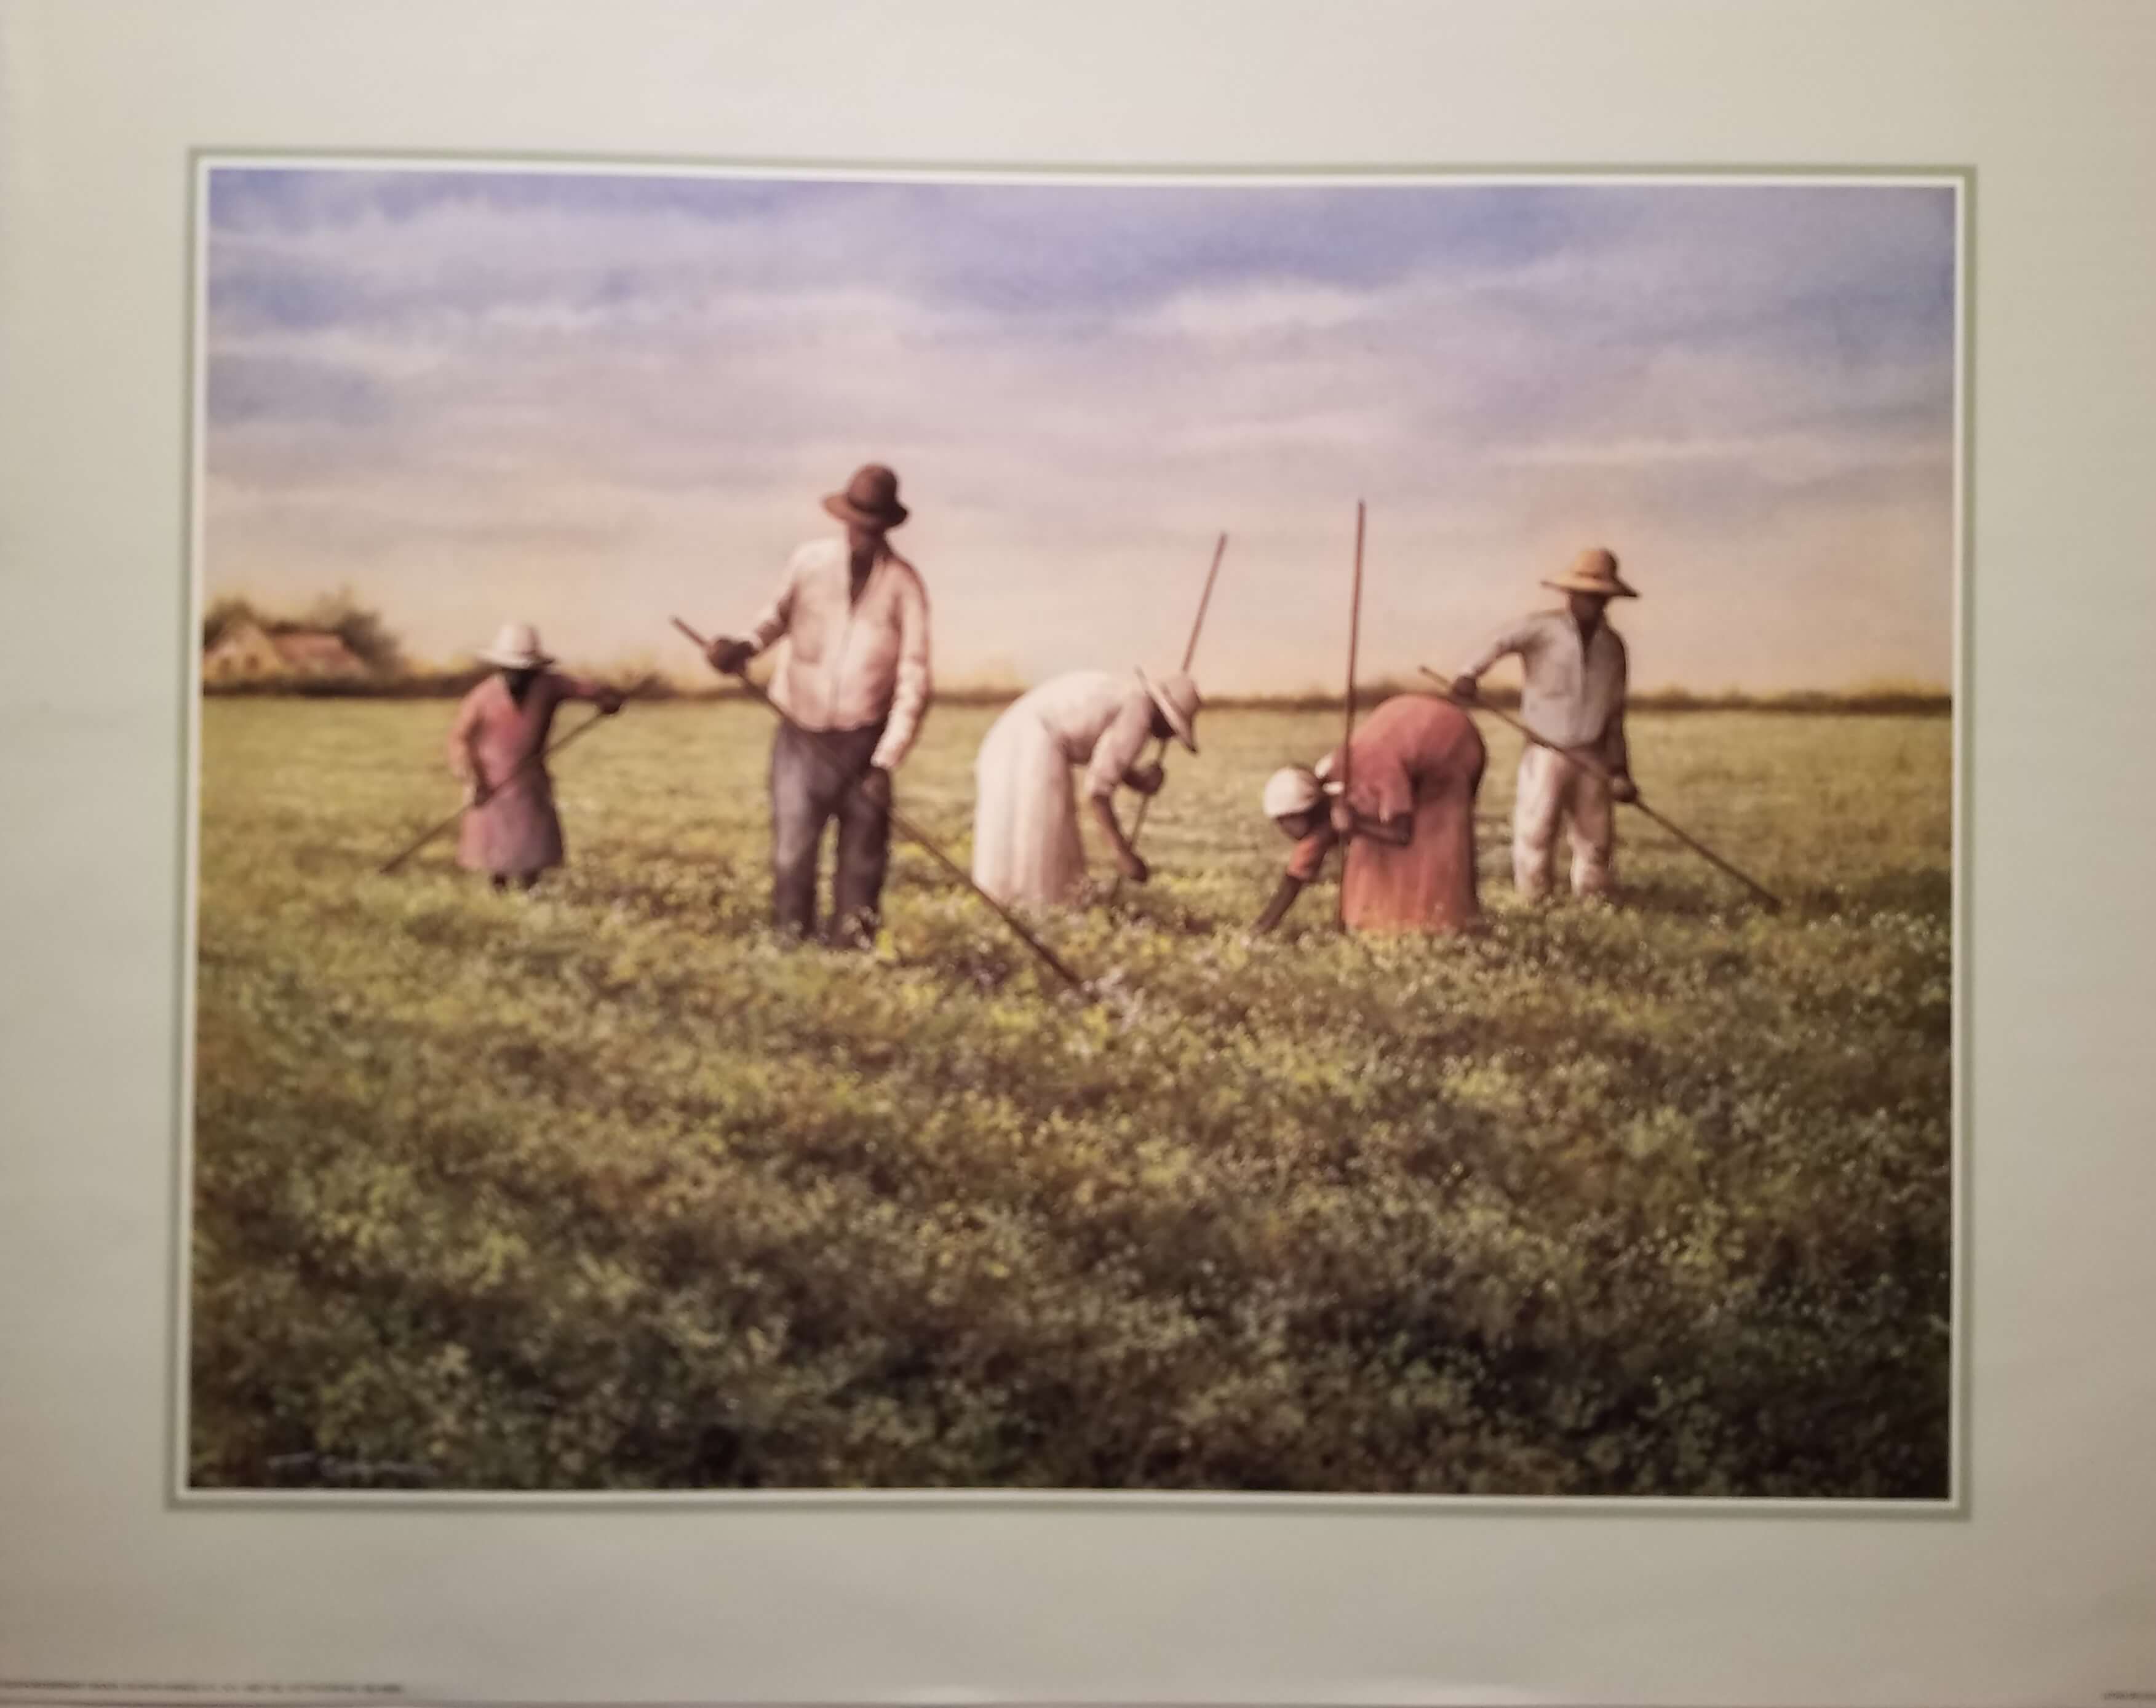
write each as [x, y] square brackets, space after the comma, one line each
[245, 633]
[313, 649]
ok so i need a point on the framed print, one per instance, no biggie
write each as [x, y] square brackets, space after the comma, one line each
[1549, 1148]
[1152, 855]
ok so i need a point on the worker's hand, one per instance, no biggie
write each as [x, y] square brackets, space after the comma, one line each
[728, 656]
[1146, 779]
[477, 794]
[1466, 688]
[1623, 788]
[875, 787]
[1132, 866]
[610, 701]
[1343, 818]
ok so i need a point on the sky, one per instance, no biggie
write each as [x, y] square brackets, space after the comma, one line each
[593, 401]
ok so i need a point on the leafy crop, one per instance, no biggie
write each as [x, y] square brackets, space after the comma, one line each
[607, 1187]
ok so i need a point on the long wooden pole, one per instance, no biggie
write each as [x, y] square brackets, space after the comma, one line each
[1773, 901]
[450, 822]
[1347, 732]
[1048, 956]
[1189, 652]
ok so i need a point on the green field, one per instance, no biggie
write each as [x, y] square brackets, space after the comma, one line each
[607, 1188]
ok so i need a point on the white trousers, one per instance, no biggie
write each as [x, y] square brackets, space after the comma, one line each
[1553, 789]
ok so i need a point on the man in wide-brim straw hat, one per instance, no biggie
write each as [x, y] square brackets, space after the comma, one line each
[854, 686]
[1027, 846]
[1406, 810]
[511, 830]
[1573, 672]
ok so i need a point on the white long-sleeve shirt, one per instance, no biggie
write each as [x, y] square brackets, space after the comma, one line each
[1572, 695]
[1101, 720]
[850, 662]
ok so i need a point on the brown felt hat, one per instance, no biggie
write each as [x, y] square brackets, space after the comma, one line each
[1594, 571]
[871, 498]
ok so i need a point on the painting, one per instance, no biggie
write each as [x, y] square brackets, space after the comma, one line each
[1112, 834]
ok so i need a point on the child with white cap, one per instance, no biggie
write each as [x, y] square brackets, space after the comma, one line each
[1406, 811]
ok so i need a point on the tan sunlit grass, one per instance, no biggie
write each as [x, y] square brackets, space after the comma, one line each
[607, 1189]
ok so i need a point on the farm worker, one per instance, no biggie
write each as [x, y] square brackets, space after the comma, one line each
[511, 830]
[1026, 845]
[1574, 669]
[853, 687]
[1407, 813]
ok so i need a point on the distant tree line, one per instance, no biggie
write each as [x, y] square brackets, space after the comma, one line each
[1893, 698]
[391, 676]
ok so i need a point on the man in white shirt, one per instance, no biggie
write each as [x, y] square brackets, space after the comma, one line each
[854, 685]
[1574, 667]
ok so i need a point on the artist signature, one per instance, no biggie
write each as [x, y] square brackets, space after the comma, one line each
[318, 1467]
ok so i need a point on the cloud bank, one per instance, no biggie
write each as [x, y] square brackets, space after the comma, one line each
[595, 399]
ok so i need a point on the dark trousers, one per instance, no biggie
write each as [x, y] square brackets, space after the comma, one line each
[813, 778]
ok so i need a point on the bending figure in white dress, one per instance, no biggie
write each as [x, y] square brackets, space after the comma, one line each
[1026, 841]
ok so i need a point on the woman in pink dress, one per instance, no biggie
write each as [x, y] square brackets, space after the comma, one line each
[1407, 814]
[510, 830]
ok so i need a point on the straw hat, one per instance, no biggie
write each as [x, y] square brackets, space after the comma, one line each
[1177, 697]
[516, 647]
[871, 498]
[1594, 571]
[1291, 790]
